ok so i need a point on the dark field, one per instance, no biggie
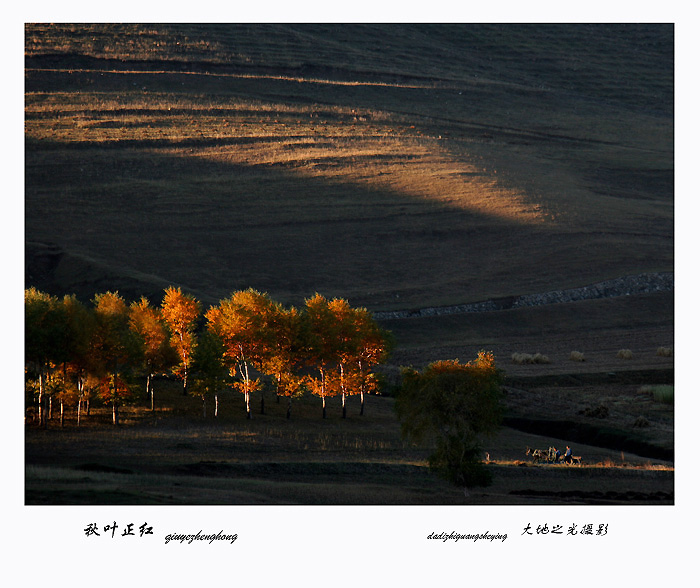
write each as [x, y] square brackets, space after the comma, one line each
[399, 167]
[177, 456]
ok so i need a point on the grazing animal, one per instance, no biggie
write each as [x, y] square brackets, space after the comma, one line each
[538, 455]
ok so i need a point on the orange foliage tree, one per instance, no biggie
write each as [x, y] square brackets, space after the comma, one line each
[321, 345]
[159, 355]
[373, 345]
[283, 361]
[343, 345]
[181, 312]
[242, 323]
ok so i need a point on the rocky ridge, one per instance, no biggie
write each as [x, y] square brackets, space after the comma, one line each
[623, 286]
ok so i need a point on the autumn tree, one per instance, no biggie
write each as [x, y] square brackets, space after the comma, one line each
[242, 324]
[453, 404]
[321, 341]
[159, 355]
[343, 344]
[116, 349]
[372, 347]
[181, 313]
[283, 362]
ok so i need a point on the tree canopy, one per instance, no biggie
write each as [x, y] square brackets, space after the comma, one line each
[248, 342]
[453, 405]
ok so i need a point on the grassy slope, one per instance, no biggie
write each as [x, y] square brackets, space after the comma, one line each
[397, 166]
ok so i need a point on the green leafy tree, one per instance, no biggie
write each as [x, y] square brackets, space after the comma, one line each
[79, 321]
[73, 355]
[181, 313]
[45, 345]
[453, 405]
[210, 374]
[116, 349]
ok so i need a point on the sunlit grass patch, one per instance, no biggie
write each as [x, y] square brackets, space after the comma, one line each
[660, 393]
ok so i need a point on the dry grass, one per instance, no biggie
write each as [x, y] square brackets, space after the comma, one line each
[376, 185]
[577, 356]
[625, 354]
[528, 358]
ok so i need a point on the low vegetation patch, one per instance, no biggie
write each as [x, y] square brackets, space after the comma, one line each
[527, 358]
[660, 393]
[665, 352]
[625, 354]
[577, 356]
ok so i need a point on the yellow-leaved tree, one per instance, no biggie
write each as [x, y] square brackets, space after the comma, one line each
[242, 324]
[181, 313]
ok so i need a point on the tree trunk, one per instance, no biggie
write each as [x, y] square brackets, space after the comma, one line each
[246, 379]
[262, 404]
[289, 408]
[41, 399]
[204, 406]
[342, 387]
[87, 407]
[362, 402]
[216, 405]
[323, 398]
[115, 412]
[80, 398]
[50, 415]
[149, 391]
[61, 412]
[184, 384]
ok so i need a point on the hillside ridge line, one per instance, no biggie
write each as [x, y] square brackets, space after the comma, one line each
[624, 286]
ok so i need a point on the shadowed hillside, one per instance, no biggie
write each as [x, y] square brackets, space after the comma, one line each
[397, 166]
[497, 187]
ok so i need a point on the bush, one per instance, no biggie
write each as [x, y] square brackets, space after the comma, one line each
[527, 358]
[660, 393]
[641, 422]
[665, 351]
[453, 405]
[577, 356]
[625, 354]
[663, 394]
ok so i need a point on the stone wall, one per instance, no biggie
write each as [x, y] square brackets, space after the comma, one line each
[624, 286]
